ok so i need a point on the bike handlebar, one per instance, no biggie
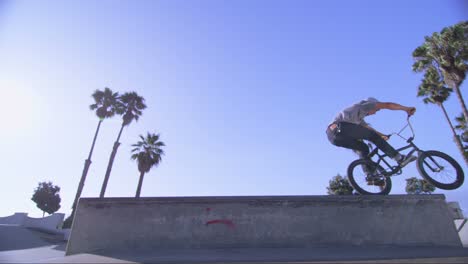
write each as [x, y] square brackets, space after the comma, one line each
[408, 123]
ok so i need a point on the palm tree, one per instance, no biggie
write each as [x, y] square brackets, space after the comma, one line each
[462, 127]
[132, 104]
[106, 104]
[447, 52]
[148, 153]
[435, 92]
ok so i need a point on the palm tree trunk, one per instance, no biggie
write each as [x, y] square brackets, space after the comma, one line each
[462, 102]
[140, 183]
[455, 136]
[85, 170]
[111, 162]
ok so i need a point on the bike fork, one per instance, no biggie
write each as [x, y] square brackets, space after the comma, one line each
[438, 168]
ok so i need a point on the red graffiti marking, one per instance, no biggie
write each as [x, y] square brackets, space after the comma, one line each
[226, 222]
[208, 209]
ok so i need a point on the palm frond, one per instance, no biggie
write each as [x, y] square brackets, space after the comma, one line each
[432, 87]
[133, 106]
[148, 151]
[105, 103]
[447, 51]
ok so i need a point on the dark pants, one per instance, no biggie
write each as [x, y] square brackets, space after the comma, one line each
[349, 135]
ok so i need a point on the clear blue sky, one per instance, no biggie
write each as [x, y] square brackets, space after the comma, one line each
[240, 91]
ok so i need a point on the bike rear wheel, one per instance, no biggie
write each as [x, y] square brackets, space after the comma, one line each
[358, 178]
[440, 170]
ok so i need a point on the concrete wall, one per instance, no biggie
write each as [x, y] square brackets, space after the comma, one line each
[456, 210]
[16, 219]
[462, 227]
[275, 221]
[48, 223]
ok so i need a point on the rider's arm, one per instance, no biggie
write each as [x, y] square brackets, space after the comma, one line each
[394, 106]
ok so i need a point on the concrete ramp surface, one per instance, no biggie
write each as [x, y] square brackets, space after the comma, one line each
[261, 222]
[13, 237]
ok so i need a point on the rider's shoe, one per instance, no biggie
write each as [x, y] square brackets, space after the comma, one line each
[371, 179]
[376, 182]
[405, 160]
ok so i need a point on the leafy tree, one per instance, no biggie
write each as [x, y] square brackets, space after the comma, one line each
[132, 104]
[106, 105]
[447, 53]
[148, 153]
[339, 185]
[418, 186]
[434, 91]
[47, 198]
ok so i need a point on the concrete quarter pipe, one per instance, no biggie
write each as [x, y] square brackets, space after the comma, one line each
[261, 222]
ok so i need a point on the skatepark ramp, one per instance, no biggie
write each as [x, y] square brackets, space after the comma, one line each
[261, 222]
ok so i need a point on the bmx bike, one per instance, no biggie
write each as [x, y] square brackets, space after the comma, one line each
[438, 168]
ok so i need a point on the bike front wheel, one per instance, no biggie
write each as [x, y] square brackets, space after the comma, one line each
[363, 175]
[440, 170]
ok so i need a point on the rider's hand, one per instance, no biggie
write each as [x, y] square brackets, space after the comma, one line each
[385, 137]
[410, 111]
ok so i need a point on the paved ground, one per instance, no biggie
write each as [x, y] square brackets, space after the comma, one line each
[18, 245]
[14, 237]
[33, 255]
[55, 254]
[295, 255]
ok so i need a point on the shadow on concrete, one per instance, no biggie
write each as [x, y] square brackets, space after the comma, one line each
[61, 247]
[13, 237]
[16, 237]
[287, 255]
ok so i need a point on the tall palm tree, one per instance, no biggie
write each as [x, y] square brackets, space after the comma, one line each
[106, 105]
[463, 128]
[447, 52]
[434, 91]
[462, 125]
[148, 153]
[132, 104]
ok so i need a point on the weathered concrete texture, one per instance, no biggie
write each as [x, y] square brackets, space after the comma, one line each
[462, 228]
[273, 221]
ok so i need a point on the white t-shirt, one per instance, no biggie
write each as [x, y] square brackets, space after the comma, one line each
[357, 112]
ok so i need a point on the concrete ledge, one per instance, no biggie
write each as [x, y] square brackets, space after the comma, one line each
[16, 219]
[260, 222]
[49, 223]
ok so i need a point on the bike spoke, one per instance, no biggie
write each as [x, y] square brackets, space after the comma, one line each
[440, 170]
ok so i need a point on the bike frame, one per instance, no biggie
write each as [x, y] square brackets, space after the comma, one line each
[381, 157]
[394, 169]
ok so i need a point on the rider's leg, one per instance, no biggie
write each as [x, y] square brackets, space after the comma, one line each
[354, 131]
[358, 146]
[361, 148]
[340, 139]
[361, 132]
